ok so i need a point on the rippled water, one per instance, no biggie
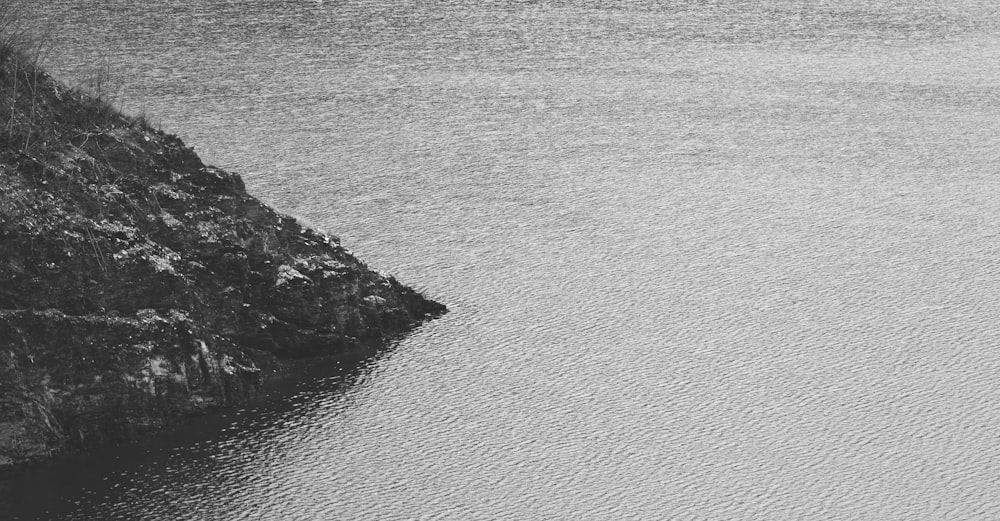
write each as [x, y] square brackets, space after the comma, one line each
[706, 260]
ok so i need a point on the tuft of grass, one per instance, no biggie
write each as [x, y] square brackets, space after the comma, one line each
[100, 93]
[13, 35]
[35, 110]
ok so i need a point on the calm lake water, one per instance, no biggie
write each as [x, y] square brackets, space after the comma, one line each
[705, 259]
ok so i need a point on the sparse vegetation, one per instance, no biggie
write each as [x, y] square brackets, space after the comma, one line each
[36, 110]
[12, 33]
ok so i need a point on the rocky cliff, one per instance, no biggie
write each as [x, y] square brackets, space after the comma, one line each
[138, 284]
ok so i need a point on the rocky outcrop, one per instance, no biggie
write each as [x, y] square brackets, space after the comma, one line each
[138, 284]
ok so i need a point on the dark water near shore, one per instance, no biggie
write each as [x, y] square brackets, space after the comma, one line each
[706, 260]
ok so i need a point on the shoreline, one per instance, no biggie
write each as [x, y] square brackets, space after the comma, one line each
[138, 284]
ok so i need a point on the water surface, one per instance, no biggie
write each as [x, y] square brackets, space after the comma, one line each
[705, 260]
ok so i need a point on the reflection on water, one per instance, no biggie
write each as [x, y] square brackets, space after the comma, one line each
[705, 260]
[198, 461]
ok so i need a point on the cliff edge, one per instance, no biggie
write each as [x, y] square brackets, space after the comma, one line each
[138, 284]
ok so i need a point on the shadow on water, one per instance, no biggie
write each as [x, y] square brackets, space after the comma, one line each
[67, 485]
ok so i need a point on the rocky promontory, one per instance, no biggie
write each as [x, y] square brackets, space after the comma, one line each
[138, 284]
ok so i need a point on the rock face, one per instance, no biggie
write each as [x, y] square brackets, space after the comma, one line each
[138, 284]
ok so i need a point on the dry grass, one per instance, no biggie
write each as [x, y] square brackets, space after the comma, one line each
[34, 109]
